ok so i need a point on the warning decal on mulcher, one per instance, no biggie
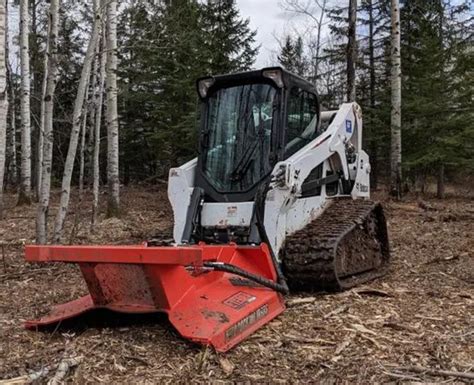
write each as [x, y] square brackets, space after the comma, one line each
[246, 322]
[239, 300]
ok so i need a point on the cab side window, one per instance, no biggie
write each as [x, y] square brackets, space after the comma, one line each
[302, 120]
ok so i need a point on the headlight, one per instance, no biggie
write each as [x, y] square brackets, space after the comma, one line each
[276, 75]
[204, 85]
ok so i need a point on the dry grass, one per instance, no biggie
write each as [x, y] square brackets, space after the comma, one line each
[419, 316]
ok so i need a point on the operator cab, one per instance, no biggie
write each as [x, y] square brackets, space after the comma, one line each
[249, 122]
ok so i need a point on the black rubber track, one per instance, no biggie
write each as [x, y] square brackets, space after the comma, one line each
[345, 246]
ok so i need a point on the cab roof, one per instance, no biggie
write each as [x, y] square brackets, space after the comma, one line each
[289, 79]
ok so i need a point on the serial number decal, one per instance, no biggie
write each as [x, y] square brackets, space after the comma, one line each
[239, 300]
[362, 187]
[246, 322]
[231, 211]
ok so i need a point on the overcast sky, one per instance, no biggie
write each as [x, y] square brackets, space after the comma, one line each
[272, 23]
[269, 20]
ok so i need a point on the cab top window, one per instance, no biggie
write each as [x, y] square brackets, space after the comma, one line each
[302, 120]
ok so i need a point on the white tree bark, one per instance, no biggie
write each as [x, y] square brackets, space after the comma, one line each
[83, 141]
[25, 172]
[76, 128]
[396, 112]
[98, 101]
[12, 153]
[113, 182]
[3, 99]
[39, 166]
[47, 111]
[94, 99]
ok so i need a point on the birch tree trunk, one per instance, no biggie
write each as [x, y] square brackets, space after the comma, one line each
[76, 128]
[113, 182]
[12, 170]
[3, 99]
[47, 108]
[351, 51]
[41, 134]
[83, 141]
[94, 98]
[396, 114]
[99, 101]
[25, 172]
[12, 153]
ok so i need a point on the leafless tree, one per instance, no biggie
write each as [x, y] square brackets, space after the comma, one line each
[76, 128]
[316, 11]
[396, 113]
[3, 99]
[113, 182]
[98, 105]
[47, 111]
[25, 172]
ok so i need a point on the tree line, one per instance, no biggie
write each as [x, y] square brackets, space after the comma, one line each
[86, 84]
[436, 80]
[63, 107]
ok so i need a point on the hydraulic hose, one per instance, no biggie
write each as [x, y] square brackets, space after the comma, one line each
[228, 268]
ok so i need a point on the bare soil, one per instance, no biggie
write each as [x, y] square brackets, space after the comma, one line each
[418, 316]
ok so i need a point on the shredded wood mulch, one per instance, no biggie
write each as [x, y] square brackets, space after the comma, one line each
[415, 324]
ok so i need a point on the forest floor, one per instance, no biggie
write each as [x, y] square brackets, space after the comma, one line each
[418, 316]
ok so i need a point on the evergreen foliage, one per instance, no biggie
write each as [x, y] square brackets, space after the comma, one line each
[164, 49]
[438, 63]
[164, 46]
[292, 56]
[438, 82]
[229, 42]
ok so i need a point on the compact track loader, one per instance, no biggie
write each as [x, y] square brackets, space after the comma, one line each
[277, 199]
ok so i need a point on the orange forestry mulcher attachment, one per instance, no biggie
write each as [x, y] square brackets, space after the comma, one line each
[204, 304]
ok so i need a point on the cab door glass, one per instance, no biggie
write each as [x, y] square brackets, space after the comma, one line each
[302, 120]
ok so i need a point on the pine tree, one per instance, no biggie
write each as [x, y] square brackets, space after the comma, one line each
[292, 56]
[287, 54]
[229, 41]
[438, 88]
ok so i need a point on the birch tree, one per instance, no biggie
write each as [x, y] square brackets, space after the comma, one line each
[396, 114]
[351, 51]
[3, 99]
[40, 145]
[47, 111]
[113, 182]
[98, 103]
[83, 143]
[25, 171]
[12, 171]
[76, 128]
